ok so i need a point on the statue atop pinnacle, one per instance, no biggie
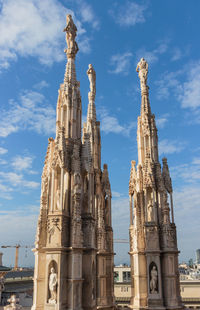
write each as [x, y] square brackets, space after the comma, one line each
[70, 29]
[142, 69]
[92, 78]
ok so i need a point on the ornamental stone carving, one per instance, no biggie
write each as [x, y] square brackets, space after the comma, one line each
[53, 280]
[142, 69]
[152, 232]
[150, 211]
[153, 280]
[71, 30]
[92, 78]
[74, 227]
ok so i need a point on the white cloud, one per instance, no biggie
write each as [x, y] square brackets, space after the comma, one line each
[168, 84]
[187, 92]
[3, 162]
[189, 173]
[35, 28]
[3, 151]
[87, 14]
[116, 194]
[161, 121]
[22, 162]
[110, 124]
[129, 14]
[5, 192]
[189, 96]
[121, 63]
[41, 85]
[177, 54]
[184, 85]
[196, 161]
[170, 147]
[84, 45]
[29, 29]
[30, 113]
[15, 180]
[152, 56]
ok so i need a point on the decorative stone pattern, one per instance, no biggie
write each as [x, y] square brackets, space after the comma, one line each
[74, 239]
[153, 242]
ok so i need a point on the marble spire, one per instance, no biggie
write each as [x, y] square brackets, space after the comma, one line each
[153, 242]
[74, 240]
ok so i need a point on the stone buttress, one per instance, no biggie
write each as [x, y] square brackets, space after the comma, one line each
[153, 242]
[74, 242]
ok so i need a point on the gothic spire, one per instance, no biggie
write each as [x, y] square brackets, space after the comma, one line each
[142, 69]
[69, 99]
[147, 131]
[153, 240]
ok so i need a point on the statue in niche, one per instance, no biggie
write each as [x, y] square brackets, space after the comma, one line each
[154, 280]
[71, 30]
[53, 280]
[150, 211]
[142, 69]
[92, 78]
[166, 218]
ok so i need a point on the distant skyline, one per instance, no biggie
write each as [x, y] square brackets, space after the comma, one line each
[113, 36]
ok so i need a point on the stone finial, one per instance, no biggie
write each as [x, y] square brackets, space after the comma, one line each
[166, 176]
[70, 29]
[105, 167]
[142, 69]
[13, 303]
[92, 78]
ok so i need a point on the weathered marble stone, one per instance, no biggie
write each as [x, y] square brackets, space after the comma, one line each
[74, 239]
[153, 243]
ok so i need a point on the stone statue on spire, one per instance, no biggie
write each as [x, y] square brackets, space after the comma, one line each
[70, 29]
[142, 69]
[92, 78]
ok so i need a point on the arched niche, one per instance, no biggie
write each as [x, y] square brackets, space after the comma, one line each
[153, 278]
[52, 282]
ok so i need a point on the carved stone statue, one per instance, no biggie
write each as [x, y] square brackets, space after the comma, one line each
[166, 218]
[53, 280]
[71, 30]
[92, 78]
[13, 303]
[150, 211]
[154, 280]
[142, 69]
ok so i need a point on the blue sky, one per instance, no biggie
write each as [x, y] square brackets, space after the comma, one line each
[113, 36]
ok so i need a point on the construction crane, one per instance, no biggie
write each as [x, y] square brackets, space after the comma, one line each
[17, 246]
[121, 241]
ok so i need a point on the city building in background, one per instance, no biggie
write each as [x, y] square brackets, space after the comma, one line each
[189, 288]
